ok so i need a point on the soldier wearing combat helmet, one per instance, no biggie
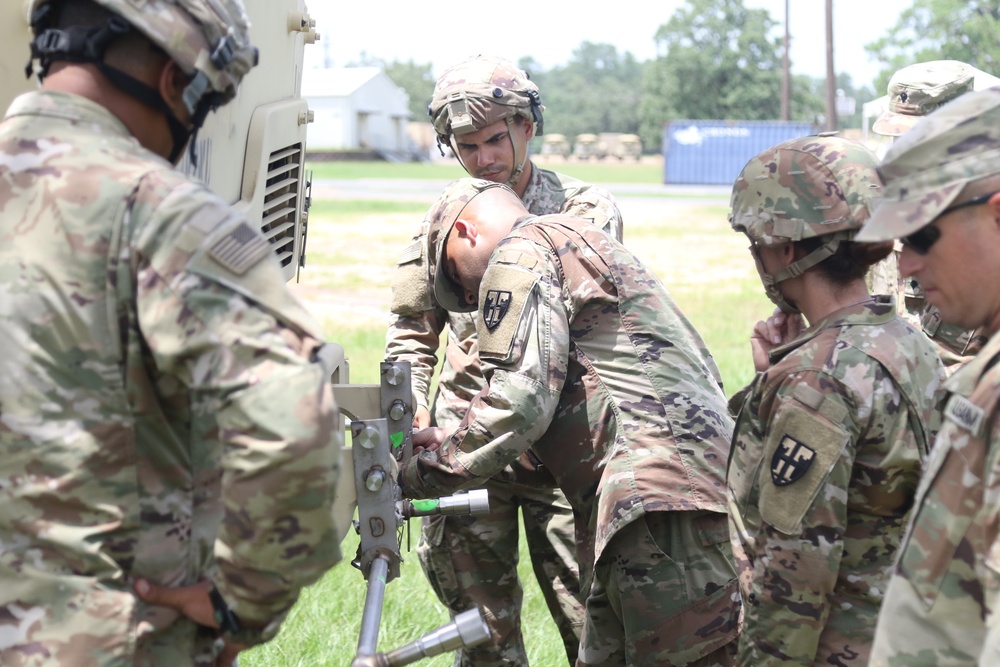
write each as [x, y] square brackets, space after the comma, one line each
[167, 441]
[942, 200]
[830, 436]
[487, 110]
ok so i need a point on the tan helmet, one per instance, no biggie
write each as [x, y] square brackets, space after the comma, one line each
[478, 92]
[815, 186]
[208, 39]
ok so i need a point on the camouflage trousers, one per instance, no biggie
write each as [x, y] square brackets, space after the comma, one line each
[664, 593]
[472, 561]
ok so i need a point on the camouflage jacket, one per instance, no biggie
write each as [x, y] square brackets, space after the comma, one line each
[161, 412]
[591, 364]
[825, 463]
[942, 602]
[418, 319]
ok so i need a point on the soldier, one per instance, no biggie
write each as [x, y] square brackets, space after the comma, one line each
[942, 199]
[591, 366]
[914, 92]
[831, 433]
[487, 109]
[167, 428]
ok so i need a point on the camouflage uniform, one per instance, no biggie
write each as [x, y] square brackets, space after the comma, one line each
[856, 393]
[592, 366]
[473, 561]
[942, 601]
[914, 92]
[829, 439]
[162, 414]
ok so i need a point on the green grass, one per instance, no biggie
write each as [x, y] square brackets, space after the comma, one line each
[593, 172]
[352, 249]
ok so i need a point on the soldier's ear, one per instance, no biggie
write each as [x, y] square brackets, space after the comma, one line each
[466, 229]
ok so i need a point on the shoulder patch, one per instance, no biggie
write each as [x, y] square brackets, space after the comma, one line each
[240, 249]
[965, 413]
[412, 252]
[790, 461]
[506, 289]
[802, 450]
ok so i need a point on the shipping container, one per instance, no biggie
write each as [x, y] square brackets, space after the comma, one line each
[713, 152]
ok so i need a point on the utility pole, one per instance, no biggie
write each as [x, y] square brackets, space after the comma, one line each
[831, 77]
[786, 77]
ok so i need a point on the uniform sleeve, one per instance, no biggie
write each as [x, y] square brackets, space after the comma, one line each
[220, 324]
[597, 205]
[417, 320]
[523, 330]
[808, 456]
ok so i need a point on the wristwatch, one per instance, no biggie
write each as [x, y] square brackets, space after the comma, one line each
[229, 623]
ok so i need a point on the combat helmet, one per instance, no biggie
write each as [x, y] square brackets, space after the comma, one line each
[209, 41]
[480, 91]
[814, 186]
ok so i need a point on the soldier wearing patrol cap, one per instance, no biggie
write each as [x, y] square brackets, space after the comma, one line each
[487, 109]
[167, 441]
[830, 435]
[914, 92]
[942, 199]
[591, 365]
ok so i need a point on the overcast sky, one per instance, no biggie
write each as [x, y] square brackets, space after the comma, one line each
[425, 32]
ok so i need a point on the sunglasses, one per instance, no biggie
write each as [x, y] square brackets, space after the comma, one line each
[922, 239]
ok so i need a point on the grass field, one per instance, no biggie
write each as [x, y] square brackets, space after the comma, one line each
[353, 246]
[650, 171]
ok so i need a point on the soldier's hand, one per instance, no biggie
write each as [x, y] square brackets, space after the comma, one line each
[428, 439]
[193, 602]
[421, 417]
[768, 334]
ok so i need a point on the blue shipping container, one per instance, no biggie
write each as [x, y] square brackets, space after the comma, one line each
[713, 152]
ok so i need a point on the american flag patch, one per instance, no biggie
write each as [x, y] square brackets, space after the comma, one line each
[240, 249]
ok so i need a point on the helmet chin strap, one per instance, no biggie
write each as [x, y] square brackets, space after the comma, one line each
[794, 269]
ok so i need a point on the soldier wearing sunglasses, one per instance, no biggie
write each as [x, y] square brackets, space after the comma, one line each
[942, 200]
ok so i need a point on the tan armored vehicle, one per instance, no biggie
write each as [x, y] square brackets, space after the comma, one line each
[588, 146]
[555, 145]
[628, 146]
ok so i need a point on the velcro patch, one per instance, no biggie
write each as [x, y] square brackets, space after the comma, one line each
[803, 448]
[411, 252]
[240, 249]
[790, 461]
[506, 289]
[965, 413]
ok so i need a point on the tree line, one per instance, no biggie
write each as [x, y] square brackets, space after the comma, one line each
[721, 60]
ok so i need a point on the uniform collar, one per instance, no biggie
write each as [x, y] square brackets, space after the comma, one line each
[879, 310]
[58, 104]
[965, 379]
[535, 186]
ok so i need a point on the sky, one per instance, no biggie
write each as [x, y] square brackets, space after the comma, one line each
[403, 30]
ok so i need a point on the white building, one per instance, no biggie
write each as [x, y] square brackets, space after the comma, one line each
[355, 108]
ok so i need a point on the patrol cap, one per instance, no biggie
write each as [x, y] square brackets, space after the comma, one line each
[919, 89]
[926, 168]
[805, 187]
[441, 219]
[480, 91]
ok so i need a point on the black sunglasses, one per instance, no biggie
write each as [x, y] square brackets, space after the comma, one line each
[922, 239]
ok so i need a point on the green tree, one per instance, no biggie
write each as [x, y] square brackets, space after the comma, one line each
[963, 30]
[598, 90]
[717, 60]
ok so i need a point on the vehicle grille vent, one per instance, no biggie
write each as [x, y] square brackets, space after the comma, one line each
[281, 200]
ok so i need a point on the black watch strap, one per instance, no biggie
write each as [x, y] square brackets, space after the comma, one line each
[228, 622]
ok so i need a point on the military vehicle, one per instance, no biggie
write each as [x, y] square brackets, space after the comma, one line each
[555, 144]
[587, 146]
[628, 146]
[266, 125]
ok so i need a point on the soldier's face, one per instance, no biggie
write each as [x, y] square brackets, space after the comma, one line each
[955, 270]
[467, 254]
[489, 153]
